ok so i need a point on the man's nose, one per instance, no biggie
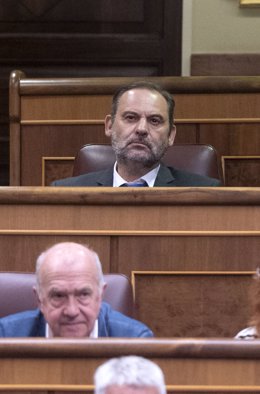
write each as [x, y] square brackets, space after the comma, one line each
[71, 308]
[142, 126]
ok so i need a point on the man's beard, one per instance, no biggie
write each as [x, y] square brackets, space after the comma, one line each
[147, 157]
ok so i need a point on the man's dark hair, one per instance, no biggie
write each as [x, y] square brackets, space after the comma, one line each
[144, 85]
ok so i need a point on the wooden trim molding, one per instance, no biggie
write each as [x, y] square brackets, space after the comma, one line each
[241, 169]
[198, 121]
[193, 303]
[249, 3]
[136, 233]
[61, 122]
[46, 388]
[71, 388]
[190, 365]
[180, 196]
[107, 86]
[55, 161]
[134, 274]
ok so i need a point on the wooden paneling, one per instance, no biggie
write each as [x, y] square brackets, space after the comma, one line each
[242, 170]
[206, 304]
[55, 117]
[225, 64]
[185, 230]
[31, 243]
[52, 38]
[189, 366]
[232, 138]
[38, 142]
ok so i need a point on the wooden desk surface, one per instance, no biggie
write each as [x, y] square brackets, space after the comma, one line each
[186, 248]
[190, 365]
[108, 209]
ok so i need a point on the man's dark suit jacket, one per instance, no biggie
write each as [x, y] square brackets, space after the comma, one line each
[166, 177]
[110, 324]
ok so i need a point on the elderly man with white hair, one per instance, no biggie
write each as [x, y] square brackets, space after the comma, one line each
[129, 375]
[69, 290]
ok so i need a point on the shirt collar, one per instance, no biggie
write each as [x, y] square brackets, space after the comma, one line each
[149, 177]
[93, 334]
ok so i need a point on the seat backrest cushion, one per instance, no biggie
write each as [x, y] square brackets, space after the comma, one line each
[16, 293]
[197, 158]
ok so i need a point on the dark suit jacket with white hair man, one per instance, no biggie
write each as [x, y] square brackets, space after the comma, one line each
[69, 291]
[110, 324]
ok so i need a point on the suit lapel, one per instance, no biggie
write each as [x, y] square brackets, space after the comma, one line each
[105, 178]
[102, 323]
[39, 327]
[164, 177]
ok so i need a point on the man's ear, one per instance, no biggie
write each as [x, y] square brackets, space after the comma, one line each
[108, 125]
[172, 136]
[37, 296]
[103, 290]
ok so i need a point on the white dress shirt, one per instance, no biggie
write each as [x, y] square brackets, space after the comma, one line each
[149, 178]
[247, 333]
[93, 334]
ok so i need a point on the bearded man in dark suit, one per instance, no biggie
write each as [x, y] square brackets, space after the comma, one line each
[141, 128]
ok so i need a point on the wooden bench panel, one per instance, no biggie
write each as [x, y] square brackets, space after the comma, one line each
[55, 117]
[183, 230]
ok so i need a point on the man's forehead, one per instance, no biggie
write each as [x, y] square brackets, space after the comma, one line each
[65, 287]
[69, 255]
[132, 93]
[69, 282]
[62, 264]
[137, 100]
[67, 249]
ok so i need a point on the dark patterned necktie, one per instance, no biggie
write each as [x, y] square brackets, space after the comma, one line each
[135, 184]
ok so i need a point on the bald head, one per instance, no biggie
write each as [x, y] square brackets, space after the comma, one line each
[69, 289]
[67, 256]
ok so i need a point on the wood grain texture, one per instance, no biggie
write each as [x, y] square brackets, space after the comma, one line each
[164, 229]
[232, 64]
[69, 112]
[189, 365]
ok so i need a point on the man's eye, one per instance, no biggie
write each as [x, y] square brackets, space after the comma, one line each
[57, 299]
[130, 117]
[84, 295]
[57, 296]
[156, 121]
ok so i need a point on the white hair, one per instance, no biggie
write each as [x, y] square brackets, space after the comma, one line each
[130, 371]
[60, 246]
